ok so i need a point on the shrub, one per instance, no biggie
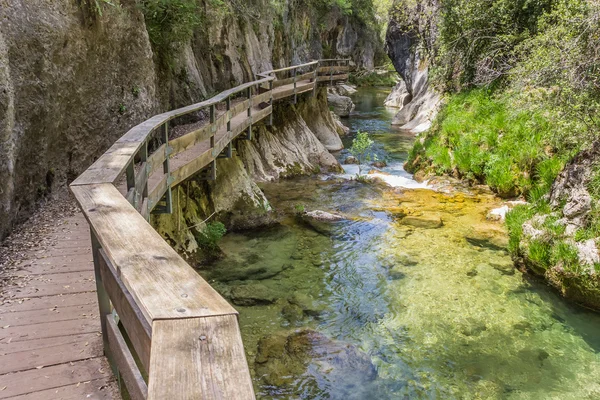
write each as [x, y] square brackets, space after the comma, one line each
[209, 237]
[362, 147]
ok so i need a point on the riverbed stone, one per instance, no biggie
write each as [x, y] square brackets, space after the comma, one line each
[306, 303]
[252, 294]
[351, 160]
[321, 221]
[283, 357]
[423, 221]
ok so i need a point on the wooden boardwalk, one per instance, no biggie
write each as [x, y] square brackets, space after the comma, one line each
[50, 339]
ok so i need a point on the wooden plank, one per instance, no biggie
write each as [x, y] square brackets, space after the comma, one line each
[198, 358]
[189, 169]
[262, 98]
[51, 329]
[110, 166]
[48, 315]
[157, 193]
[335, 68]
[141, 178]
[327, 78]
[128, 370]
[97, 389]
[161, 282]
[51, 377]
[240, 107]
[43, 290]
[57, 265]
[308, 75]
[51, 355]
[280, 93]
[136, 325]
[62, 300]
[156, 159]
[189, 140]
[308, 64]
[11, 347]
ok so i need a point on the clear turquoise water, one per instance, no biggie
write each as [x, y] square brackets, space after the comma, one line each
[397, 311]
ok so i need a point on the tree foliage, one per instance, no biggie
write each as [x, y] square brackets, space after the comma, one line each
[362, 148]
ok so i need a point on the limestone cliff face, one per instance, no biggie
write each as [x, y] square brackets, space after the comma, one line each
[73, 81]
[64, 84]
[410, 45]
[288, 148]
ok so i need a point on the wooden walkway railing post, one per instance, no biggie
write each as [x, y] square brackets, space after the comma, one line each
[315, 79]
[159, 318]
[270, 104]
[167, 168]
[295, 87]
[104, 305]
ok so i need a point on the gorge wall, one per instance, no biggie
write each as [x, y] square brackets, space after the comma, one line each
[77, 74]
[410, 44]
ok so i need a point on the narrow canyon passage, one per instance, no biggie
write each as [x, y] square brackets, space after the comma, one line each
[413, 295]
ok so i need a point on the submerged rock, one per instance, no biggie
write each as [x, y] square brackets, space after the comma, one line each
[424, 221]
[321, 221]
[284, 357]
[252, 295]
[306, 303]
[351, 160]
[379, 164]
[239, 271]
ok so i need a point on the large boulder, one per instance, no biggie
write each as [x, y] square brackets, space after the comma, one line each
[342, 106]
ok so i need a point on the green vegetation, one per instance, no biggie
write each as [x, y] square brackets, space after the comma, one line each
[170, 22]
[362, 148]
[208, 238]
[480, 136]
[299, 209]
[386, 78]
[522, 78]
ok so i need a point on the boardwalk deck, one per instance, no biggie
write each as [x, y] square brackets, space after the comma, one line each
[50, 340]
[51, 343]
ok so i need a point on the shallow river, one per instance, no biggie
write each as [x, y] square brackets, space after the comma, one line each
[414, 296]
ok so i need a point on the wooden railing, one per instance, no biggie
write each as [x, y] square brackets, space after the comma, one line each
[167, 333]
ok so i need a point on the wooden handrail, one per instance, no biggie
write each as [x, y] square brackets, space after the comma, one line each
[178, 326]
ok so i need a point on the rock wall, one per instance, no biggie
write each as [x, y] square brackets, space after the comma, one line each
[410, 42]
[73, 81]
[64, 82]
[559, 243]
[290, 147]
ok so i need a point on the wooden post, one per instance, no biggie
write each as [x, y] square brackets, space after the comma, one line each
[295, 94]
[228, 102]
[130, 173]
[271, 104]
[104, 306]
[316, 79]
[249, 95]
[167, 169]
[212, 128]
[331, 76]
